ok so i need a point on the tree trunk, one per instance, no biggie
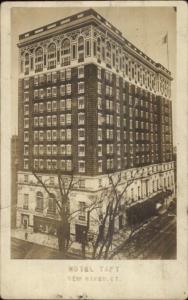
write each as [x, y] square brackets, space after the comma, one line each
[63, 233]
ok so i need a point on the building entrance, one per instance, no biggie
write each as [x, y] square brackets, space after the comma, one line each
[80, 233]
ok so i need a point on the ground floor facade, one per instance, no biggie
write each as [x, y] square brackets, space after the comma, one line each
[152, 187]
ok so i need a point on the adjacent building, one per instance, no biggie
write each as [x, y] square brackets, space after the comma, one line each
[14, 170]
[90, 103]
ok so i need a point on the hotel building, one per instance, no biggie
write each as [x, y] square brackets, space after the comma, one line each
[90, 103]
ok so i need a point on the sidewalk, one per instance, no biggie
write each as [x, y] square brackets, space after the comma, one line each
[119, 240]
[37, 238]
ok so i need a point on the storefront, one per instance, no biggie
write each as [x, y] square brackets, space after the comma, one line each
[141, 211]
[45, 225]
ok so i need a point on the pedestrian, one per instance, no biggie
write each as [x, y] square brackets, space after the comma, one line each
[26, 235]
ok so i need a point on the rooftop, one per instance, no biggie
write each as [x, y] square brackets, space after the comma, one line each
[79, 16]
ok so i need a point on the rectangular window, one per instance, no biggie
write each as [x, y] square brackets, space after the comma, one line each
[48, 164]
[26, 150]
[68, 104]
[41, 149]
[41, 93]
[49, 121]
[49, 92]
[99, 149]
[69, 165]
[54, 91]
[26, 109]
[68, 149]
[99, 88]
[54, 77]
[68, 74]
[62, 75]
[41, 121]
[81, 87]
[62, 90]
[99, 134]
[68, 89]
[82, 205]
[68, 119]
[81, 103]
[26, 122]
[26, 83]
[36, 135]
[62, 105]
[81, 119]
[36, 93]
[100, 119]
[63, 149]
[99, 73]
[36, 107]
[49, 135]
[26, 164]
[54, 149]
[49, 106]
[81, 166]
[36, 81]
[81, 150]
[36, 121]
[81, 134]
[100, 166]
[26, 201]
[26, 96]
[54, 120]
[41, 107]
[69, 134]
[54, 106]
[54, 164]
[63, 165]
[49, 77]
[99, 103]
[62, 120]
[81, 72]
[62, 134]
[54, 135]
[41, 135]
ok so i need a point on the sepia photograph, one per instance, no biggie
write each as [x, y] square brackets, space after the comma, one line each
[94, 157]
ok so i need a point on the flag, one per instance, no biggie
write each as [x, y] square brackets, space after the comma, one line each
[165, 38]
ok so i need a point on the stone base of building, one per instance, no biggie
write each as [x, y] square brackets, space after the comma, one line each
[141, 201]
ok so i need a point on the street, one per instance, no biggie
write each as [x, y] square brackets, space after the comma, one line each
[26, 250]
[155, 241]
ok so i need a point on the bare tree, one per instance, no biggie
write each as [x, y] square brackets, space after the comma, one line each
[65, 186]
[109, 200]
[106, 229]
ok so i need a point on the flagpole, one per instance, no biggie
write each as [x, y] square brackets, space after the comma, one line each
[167, 51]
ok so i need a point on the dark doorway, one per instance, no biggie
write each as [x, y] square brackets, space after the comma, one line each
[80, 232]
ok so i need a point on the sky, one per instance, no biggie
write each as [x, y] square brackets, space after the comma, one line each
[145, 27]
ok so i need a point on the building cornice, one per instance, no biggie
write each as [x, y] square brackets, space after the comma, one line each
[89, 17]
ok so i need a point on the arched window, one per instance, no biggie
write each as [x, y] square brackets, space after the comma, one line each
[52, 56]
[99, 48]
[27, 63]
[52, 204]
[39, 59]
[65, 53]
[80, 49]
[108, 53]
[39, 201]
